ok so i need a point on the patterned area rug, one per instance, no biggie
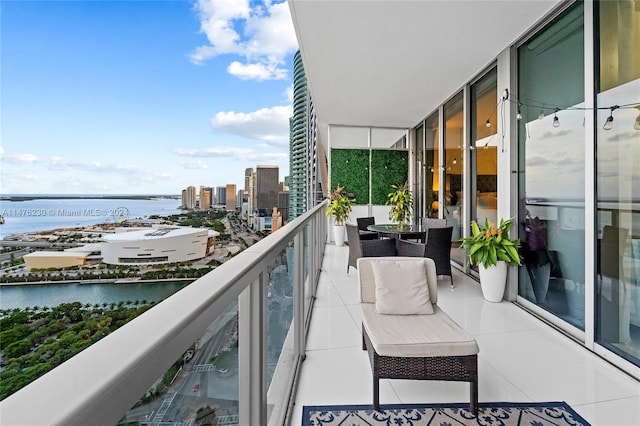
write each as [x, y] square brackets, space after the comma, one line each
[490, 414]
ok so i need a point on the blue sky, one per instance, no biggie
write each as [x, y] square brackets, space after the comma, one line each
[142, 97]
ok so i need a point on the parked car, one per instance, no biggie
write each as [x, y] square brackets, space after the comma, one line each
[196, 388]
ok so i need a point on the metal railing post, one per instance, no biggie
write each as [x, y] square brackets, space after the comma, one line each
[252, 352]
[298, 293]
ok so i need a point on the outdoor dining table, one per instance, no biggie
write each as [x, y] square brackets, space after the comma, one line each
[401, 232]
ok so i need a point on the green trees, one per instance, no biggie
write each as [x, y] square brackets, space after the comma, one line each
[36, 340]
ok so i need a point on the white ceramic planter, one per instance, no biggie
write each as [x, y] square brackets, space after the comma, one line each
[338, 234]
[493, 281]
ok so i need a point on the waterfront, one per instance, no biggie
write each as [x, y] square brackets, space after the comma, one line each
[28, 296]
[52, 212]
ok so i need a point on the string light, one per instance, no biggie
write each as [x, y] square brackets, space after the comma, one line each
[608, 125]
[488, 123]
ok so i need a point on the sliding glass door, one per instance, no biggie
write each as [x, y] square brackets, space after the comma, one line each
[551, 146]
[618, 180]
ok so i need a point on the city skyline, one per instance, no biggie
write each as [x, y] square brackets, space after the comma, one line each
[142, 97]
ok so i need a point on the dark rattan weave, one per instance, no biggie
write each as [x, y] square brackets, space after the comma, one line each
[449, 368]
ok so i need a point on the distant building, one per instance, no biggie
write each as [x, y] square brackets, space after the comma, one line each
[157, 245]
[240, 198]
[307, 158]
[189, 198]
[283, 205]
[230, 197]
[54, 259]
[221, 195]
[206, 198]
[250, 194]
[267, 187]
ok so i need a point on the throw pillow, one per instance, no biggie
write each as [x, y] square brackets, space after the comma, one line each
[401, 287]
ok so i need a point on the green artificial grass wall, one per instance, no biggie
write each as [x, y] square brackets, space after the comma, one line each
[390, 167]
[350, 169]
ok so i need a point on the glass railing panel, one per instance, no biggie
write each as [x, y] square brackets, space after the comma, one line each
[201, 387]
[280, 332]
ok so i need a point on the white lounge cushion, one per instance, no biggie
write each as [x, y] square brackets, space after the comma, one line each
[401, 287]
[366, 280]
[416, 335]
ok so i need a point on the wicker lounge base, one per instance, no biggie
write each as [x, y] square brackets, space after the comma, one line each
[449, 368]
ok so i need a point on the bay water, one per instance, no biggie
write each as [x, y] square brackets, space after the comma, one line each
[44, 213]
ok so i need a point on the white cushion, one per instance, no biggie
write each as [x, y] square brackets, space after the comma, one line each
[416, 335]
[401, 287]
[366, 281]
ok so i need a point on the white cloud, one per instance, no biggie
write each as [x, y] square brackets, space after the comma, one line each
[289, 93]
[257, 72]
[241, 154]
[263, 34]
[196, 165]
[270, 125]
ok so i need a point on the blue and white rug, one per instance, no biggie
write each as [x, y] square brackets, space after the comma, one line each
[489, 414]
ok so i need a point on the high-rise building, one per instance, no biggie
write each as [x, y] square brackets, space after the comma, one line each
[283, 205]
[267, 188]
[298, 141]
[250, 193]
[230, 197]
[189, 198]
[240, 198]
[206, 197]
[307, 158]
[221, 195]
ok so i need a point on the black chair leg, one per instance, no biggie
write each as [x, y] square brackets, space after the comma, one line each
[451, 277]
[474, 397]
[376, 393]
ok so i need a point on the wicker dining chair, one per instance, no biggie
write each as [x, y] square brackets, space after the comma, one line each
[437, 246]
[363, 223]
[366, 248]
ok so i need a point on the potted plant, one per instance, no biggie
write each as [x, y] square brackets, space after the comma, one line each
[491, 249]
[401, 202]
[339, 208]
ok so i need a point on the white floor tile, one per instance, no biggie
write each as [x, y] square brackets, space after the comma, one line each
[618, 412]
[521, 358]
[332, 327]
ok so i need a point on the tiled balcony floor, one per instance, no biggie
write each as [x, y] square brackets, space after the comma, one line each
[521, 358]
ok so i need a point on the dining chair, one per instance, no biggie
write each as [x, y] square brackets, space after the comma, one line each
[437, 246]
[366, 248]
[363, 223]
[429, 222]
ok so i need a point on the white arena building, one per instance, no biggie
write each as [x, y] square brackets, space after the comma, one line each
[157, 245]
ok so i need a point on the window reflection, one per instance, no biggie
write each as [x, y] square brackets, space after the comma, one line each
[618, 175]
[551, 157]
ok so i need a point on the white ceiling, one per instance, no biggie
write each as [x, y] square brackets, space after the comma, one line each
[390, 63]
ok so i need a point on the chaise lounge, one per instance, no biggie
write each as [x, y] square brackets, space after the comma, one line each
[406, 334]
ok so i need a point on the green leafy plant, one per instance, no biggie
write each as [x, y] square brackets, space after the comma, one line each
[488, 244]
[401, 202]
[340, 206]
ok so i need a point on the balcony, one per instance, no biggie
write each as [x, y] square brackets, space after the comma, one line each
[521, 358]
